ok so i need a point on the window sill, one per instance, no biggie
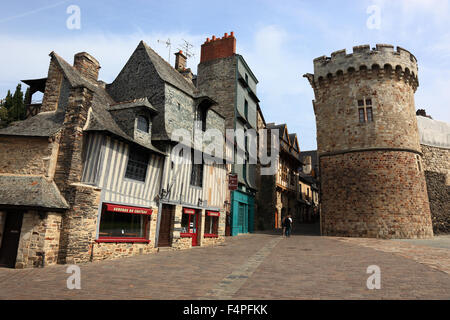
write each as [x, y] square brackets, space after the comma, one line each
[122, 240]
[211, 236]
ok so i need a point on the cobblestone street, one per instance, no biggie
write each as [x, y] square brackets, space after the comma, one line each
[257, 266]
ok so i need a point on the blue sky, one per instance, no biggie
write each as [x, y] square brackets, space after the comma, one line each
[278, 39]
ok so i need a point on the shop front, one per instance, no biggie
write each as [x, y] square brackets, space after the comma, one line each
[119, 223]
[189, 224]
[243, 205]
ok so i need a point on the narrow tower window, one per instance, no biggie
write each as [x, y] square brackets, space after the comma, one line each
[365, 113]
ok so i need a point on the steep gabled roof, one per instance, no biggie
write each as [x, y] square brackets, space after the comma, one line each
[294, 141]
[168, 74]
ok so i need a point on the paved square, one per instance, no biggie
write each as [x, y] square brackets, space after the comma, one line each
[257, 266]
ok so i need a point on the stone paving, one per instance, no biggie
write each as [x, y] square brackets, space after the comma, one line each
[257, 266]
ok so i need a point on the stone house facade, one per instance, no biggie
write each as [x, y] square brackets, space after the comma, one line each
[225, 77]
[372, 180]
[94, 176]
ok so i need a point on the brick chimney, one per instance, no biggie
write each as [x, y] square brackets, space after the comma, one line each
[87, 65]
[217, 48]
[180, 61]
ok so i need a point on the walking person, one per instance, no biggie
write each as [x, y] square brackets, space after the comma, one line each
[288, 225]
[283, 226]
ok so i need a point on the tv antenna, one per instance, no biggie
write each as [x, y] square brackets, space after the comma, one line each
[186, 47]
[168, 45]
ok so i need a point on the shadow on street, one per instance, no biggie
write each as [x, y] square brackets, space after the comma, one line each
[306, 229]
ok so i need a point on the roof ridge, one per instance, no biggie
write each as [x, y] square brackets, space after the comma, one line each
[173, 70]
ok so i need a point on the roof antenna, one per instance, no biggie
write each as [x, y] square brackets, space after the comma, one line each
[186, 47]
[168, 45]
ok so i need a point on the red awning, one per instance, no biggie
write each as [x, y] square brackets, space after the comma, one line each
[213, 213]
[189, 211]
[126, 209]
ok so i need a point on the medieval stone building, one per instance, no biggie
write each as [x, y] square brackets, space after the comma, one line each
[226, 77]
[91, 175]
[370, 159]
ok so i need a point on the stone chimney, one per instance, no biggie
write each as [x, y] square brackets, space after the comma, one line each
[180, 61]
[307, 167]
[217, 48]
[87, 65]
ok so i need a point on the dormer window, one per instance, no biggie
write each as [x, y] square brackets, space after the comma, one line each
[143, 124]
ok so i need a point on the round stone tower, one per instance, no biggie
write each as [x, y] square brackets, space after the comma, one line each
[371, 172]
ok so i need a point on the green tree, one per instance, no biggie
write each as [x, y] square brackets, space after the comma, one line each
[3, 114]
[8, 100]
[17, 110]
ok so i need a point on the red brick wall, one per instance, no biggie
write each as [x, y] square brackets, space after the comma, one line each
[218, 48]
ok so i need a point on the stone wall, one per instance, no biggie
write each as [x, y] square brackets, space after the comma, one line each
[217, 79]
[436, 162]
[35, 155]
[394, 122]
[379, 194]
[79, 225]
[52, 87]
[266, 203]
[39, 240]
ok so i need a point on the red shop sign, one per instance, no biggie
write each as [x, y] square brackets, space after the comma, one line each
[189, 211]
[213, 213]
[126, 209]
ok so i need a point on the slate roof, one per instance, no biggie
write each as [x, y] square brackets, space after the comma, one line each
[30, 191]
[168, 74]
[44, 124]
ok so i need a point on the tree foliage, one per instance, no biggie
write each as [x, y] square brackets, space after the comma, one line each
[13, 107]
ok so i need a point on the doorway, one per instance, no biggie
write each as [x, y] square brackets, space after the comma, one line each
[165, 228]
[10, 240]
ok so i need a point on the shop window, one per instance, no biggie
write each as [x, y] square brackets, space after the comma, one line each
[137, 164]
[212, 224]
[124, 224]
[189, 222]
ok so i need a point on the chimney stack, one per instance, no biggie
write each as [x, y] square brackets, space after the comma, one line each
[217, 48]
[87, 65]
[180, 61]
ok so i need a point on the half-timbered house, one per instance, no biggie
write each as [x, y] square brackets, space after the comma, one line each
[90, 175]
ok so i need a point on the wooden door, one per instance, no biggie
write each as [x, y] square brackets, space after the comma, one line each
[165, 228]
[10, 240]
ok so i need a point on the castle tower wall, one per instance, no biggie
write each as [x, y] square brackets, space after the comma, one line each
[373, 183]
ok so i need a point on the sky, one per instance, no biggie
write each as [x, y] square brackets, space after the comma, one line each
[278, 39]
